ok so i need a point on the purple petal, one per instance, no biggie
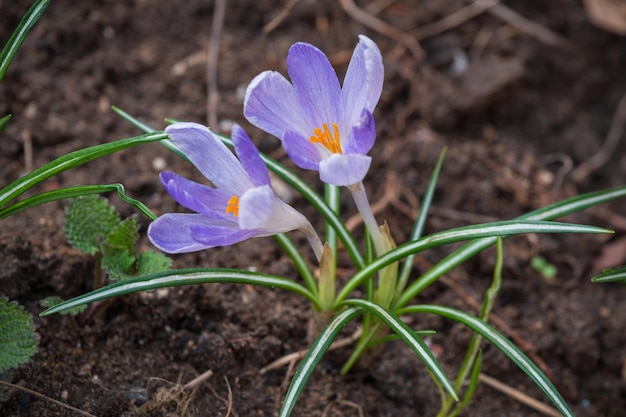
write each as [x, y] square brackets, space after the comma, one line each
[249, 156]
[302, 152]
[362, 136]
[261, 209]
[363, 83]
[271, 105]
[221, 235]
[197, 197]
[344, 170]
[316, 84]
[214, 160]
[172, 232]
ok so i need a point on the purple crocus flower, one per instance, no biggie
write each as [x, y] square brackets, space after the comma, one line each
[243, 204]
[322, 125]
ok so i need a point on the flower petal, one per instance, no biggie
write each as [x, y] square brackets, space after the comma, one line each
[362, 136]
[200, 198]
[214, 160]
[363, 83]
[260, 209]
[173, 232]
[303, 153]
[316, 84]
[271, 105]
[344, 170]
[249, 156]
[226, 234]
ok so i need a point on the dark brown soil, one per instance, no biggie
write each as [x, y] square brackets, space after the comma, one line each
[514, 121]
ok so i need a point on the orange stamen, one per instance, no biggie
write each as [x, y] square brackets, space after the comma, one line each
[329, 140]
[233, 206]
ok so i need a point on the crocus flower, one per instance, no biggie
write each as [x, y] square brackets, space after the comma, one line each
[243, 204]
[322, 125]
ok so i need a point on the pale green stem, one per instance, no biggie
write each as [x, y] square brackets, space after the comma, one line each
[363, 205]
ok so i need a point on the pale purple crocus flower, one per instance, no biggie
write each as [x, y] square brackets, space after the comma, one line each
[322, 125]
[243, 204]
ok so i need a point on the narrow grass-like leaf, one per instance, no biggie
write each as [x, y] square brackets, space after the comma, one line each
[71, 192]
[71, 160]
[611, 275]
[551, 212]
[313, 357]
[471, 387]
[504, 228]
[420, 223]
[410, 338]
[500, 342]
[19, 35]
[180, 277]
[3, 121]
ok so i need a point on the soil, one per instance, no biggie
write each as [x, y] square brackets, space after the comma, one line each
[516, 110]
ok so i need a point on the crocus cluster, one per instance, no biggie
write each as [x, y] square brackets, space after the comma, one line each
[322, 125]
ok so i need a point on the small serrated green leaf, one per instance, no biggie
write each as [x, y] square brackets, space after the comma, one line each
[151, 262]
[118, 251]
[55, 299]
[88, 221]
[18, 341]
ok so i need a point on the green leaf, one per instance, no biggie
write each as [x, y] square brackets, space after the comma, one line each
[503, 344]
[180, 277]
[471, 249]
[55, 300]
[71, 160]
[410, 338]
[71, 192]
[492, 230]
[89, 220]
[611, 275]
[4, 121]
[313, 357]
[420, 223]
[18, 341]
[19, 35]
[118, 250]
[151, 262]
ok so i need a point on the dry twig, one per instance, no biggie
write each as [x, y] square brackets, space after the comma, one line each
[45, 397]
[519, 396]
[384, 28]
[527, 26]
[217, 25]
[296, 356]
[273, 24]
[454, 19]
[616, 131]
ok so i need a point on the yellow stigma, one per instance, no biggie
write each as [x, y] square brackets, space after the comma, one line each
[233, 206]
[329, 140]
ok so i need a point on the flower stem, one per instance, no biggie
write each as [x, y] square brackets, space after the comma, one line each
[314, 240]
[362, 204]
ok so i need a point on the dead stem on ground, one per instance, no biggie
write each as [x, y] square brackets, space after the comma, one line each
[372, 22]
[46, 398]
[616, 131]
[213, 96]
[519, 396]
